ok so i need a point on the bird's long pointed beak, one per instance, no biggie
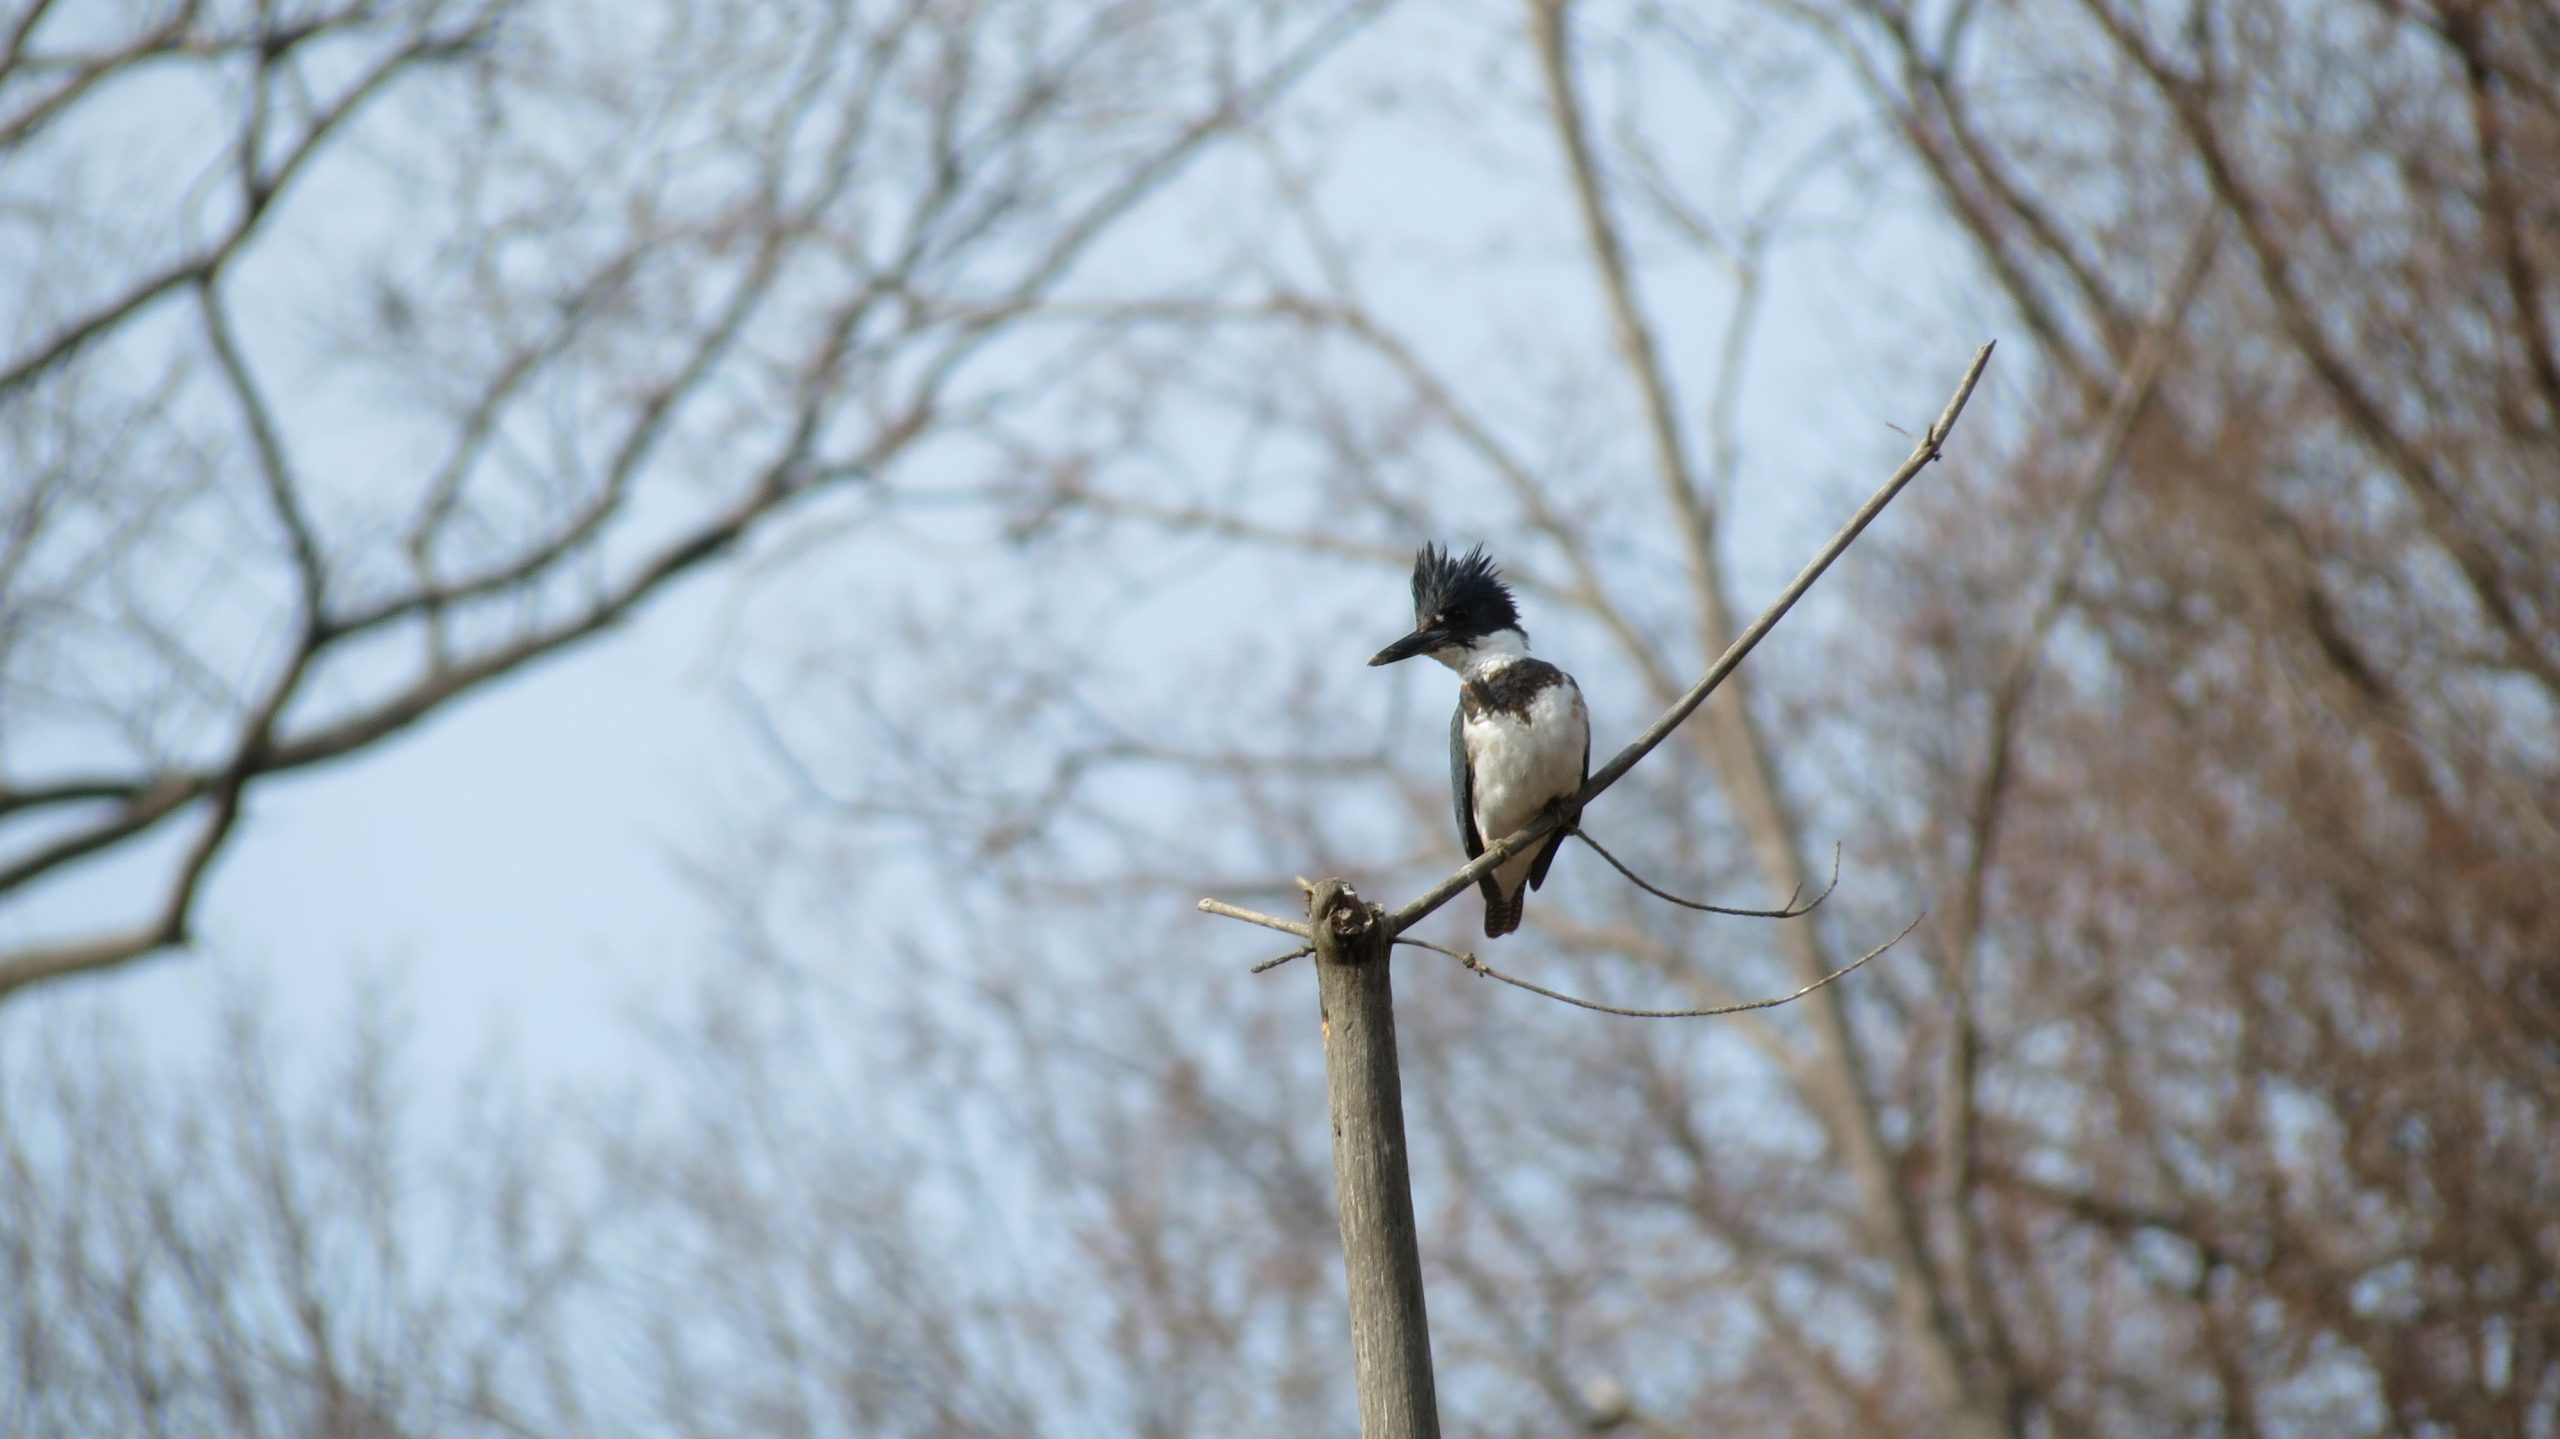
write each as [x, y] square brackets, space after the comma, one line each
[1419, 642]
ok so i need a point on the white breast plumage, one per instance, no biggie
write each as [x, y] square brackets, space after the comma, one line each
[1520, 761]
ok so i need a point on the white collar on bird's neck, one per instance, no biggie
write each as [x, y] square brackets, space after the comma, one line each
[1485, 652]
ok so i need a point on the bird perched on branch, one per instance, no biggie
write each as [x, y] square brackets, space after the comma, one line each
[1520, 740]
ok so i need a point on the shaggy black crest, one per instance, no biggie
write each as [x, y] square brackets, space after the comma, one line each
[1462, 594]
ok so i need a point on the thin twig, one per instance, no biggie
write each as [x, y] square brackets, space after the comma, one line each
[1789, 910]
[1480, 967]
[1278, 960]
[1254, 916]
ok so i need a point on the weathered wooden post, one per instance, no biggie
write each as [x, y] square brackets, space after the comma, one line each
[1373, 1187]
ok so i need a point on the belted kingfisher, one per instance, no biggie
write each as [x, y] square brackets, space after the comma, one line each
[1520, 739]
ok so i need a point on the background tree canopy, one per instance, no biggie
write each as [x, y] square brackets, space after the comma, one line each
[1060, 392]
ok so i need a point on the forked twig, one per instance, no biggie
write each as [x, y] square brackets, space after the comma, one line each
[1480, 967]
[1789, 910]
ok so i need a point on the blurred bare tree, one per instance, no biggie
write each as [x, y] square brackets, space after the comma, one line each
[2243, 753]
[2210, 711]
[245, 1246]
[606, 286]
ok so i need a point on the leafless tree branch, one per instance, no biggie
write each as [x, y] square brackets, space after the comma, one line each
[1745, 1007]
[523, 600]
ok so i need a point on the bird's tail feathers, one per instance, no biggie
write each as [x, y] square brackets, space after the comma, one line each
[1546, 857]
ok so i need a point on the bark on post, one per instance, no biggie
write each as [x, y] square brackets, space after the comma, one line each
[1373, 1187]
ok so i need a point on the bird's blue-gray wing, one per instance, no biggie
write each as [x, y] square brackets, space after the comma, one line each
[1462, 783]
[1500, 916]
